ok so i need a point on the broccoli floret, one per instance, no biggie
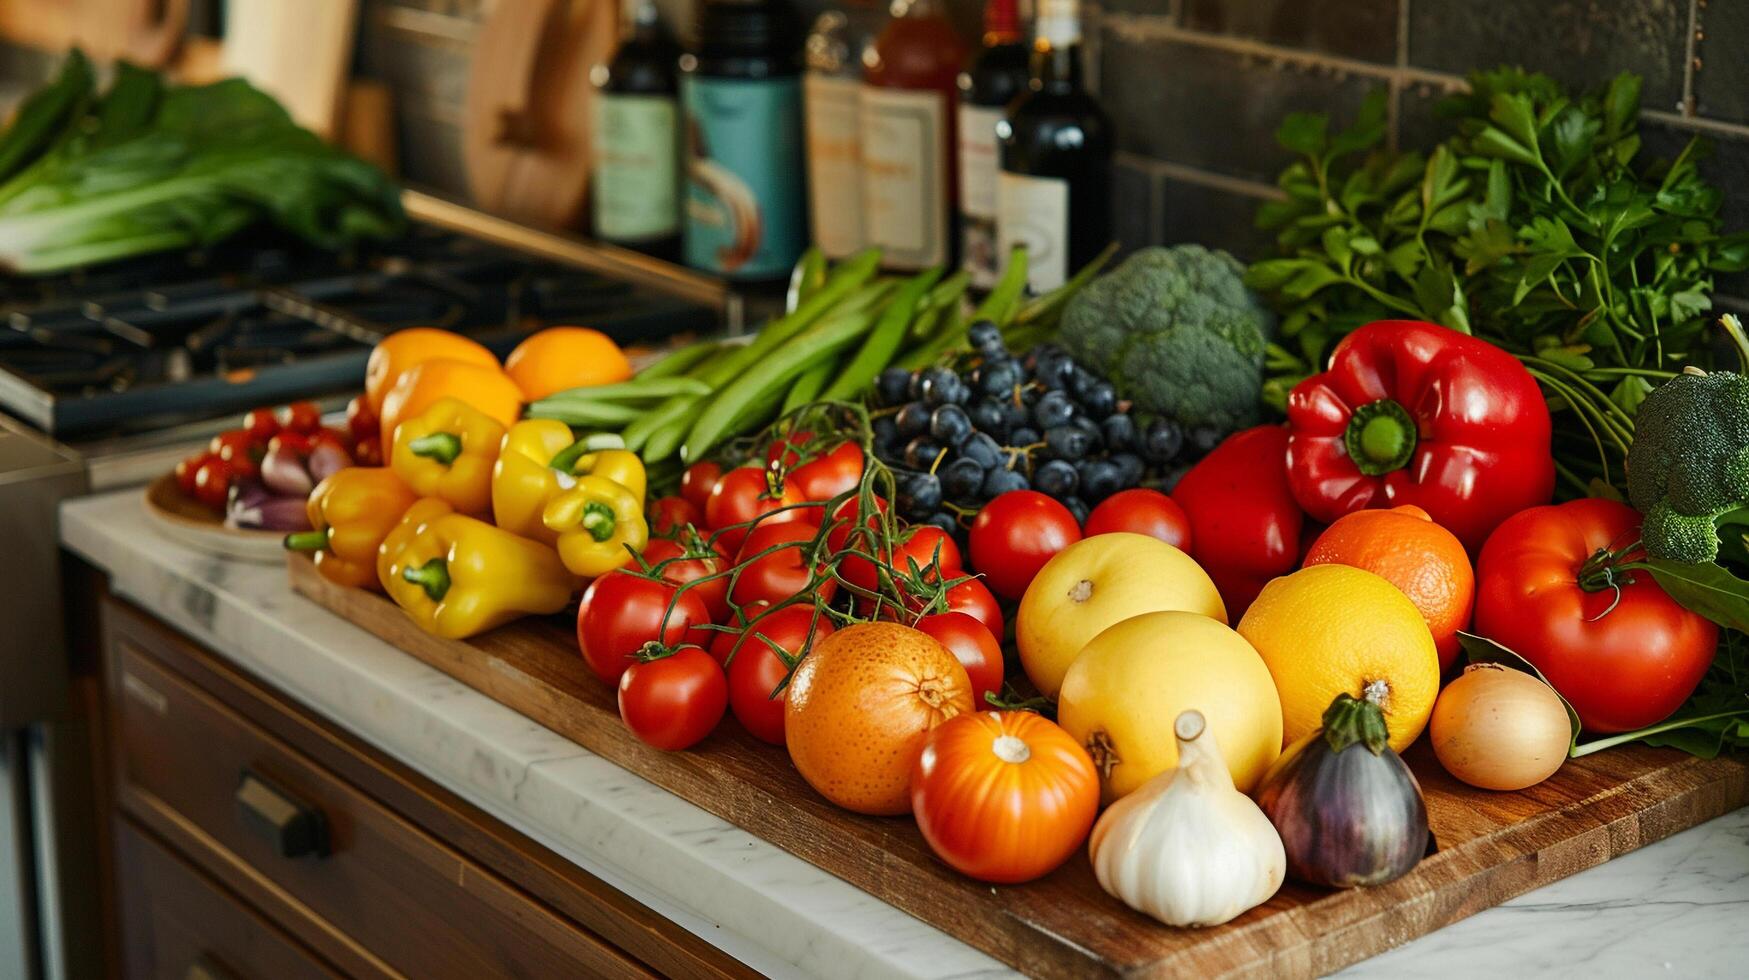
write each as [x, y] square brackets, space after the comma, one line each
[1689, 464]
[1177, 332]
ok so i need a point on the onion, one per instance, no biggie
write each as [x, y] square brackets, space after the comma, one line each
[1499, 728]
[284, 473]
[326, 459]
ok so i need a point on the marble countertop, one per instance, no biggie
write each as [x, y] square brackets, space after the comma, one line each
[1675, 908]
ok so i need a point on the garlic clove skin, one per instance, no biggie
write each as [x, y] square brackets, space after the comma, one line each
[1187, 848]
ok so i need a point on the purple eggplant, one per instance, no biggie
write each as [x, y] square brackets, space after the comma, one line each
[286, 473]
[327, 459]
[252, 506]
[1348, 809]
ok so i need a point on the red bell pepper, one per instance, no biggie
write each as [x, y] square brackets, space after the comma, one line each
[1244, 524]
[1414, 413]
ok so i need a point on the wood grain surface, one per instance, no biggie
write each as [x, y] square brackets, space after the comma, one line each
[1491, 846]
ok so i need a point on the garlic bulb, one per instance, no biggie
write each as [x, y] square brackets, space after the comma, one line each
[1187, 848]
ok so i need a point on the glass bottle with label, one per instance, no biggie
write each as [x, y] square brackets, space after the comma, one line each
[1053, 193]
[829, 96]
[998, 73]
[637, 139]
[909, 192]
[741, 96]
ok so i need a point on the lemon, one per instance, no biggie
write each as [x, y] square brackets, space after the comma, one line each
[1330, 629]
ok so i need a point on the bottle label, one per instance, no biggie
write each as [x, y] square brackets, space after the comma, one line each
[1058, 22]
[904, 176]
[834, 163]
[745, 213]
[978, 169]
[637, 185]
[1034, 212]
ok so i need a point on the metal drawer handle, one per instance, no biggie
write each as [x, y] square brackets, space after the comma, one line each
[207, 968]
[294, 827]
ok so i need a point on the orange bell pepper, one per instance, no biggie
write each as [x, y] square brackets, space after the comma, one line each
[351, 512]
[486, 389]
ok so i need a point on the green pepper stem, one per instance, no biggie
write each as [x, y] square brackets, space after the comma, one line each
[433, 577]
[1349, 720]
[1381, 437]
[441, 446]
[598, 520]
[306, 540]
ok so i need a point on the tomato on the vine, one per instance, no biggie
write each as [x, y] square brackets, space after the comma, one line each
[670, 514]
[928, 544]
[829, 474]
[756, 670]
[303, 417]
[1141, 511]
[622, 611]
[787, 449]
[673, 701]
[971, 643]
[212, 482]
[1615, 645]
[261, 424]
[855, 567]
[783, 572]
[744, 494]
[698, 481]
[1015, 534]
[681, 570]
[975, 600]
[1003, 796]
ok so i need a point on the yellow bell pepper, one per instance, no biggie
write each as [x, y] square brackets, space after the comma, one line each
[413, 522]
[539, 460]
[622, 466]
[596, 521]
[351, 512]
[448, 451]
[457, 576]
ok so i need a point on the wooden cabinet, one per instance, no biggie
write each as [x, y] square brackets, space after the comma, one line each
[252, 838]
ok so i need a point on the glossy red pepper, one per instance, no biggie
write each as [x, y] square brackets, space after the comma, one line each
[1414, 413]
[1244, 524]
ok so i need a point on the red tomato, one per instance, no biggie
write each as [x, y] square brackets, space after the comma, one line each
[756, 670]
[829, 474]
[855, 567]
[740, 496]
[292, 442]
[974, 599]
[368, 451]
[622, 611]
[1015, 534]
[185, 471]
[673, 702]
[1003, 796]
[788, 448]
[361, 421]
[698, 481]
[1141, 511]
[929, 544]
[782, 573]
[234, 443]
[338, 438]
[715, 592]
[212, 482]
[261, 424]
[971, 643]
[670, 514]
[1624, 659]
[302, 417]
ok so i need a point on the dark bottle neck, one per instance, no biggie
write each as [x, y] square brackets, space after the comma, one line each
[1056, 69]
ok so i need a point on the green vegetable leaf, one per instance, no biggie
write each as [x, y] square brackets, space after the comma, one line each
[1481, 650]
[1304, 133]
[1705, 588]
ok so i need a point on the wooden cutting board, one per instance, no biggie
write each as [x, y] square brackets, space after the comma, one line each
[298, 51]
[1491, 846]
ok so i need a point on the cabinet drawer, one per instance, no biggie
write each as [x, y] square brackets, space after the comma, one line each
[411, 903]
[179, 925]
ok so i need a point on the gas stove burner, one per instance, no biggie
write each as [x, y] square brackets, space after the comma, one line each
[262, 321]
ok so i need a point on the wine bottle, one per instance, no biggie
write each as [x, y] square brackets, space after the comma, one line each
[1053, 193]
[829, 97]
[908, 94]
[997, 74]
[636, 144]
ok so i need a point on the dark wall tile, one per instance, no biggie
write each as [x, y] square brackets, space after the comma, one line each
[1579, 42]
[1212, 108]
[1133, 205]
[1353, 28]
[1213, 217]
[1721, 83]
[1157, 8]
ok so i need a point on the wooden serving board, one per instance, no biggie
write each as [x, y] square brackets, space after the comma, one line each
[1491, 846]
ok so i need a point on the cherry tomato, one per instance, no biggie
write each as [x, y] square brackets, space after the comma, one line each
[261, 424]
[339, 438]
[1141, 511]
[930, 544]
[298, 443]
[302, 417]
[1003, 796]
[361, 420]
[212, 482]
[698, 481]
[1015, 534]
[829, 474]
[756, 670]
[715, 592]
[234, 443]
[1626, 655]
[368, 451]
[622, 611]
[782, 573]
[740, 496]
[788, 448]
[974, 599]
[185, 471]
[971, 643]
[673, 702]
[670, 514]
[855, 567]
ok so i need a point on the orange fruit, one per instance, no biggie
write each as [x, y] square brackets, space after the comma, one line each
[404, 348]
[860, 707]
[561, 358]
[1329, 629]
[1404, 547]
[486, 389]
